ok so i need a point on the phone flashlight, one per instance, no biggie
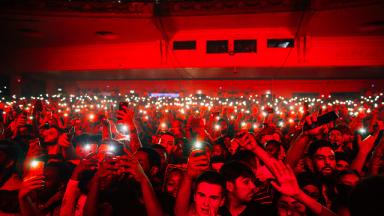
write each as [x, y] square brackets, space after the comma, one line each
[124, 128]
[217, 127]
[36, 168]
[362, 131]
[91, 117]
[87, 147]
[198, 145]
[111, 148]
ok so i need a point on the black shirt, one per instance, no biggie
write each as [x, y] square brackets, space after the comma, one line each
[252, 209]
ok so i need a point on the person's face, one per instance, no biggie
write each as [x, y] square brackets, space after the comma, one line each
[227, 141]
[217, 150]
[349, 179]
[173, 183]
[312, 191]
[268, 137]
[324, 161]
[223, 127]
[143, 159]
[342, 165]
[217, 166]
[176, 129]
[168, 142]
[243, 189]
[272, 150]
[208, 198]
[163, 157]
[335, 136]
[50, 135]
[289, 206]
[300, 167]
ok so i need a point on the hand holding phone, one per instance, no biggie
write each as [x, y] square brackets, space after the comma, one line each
[321, 120]
[198, 162]
[36, 168]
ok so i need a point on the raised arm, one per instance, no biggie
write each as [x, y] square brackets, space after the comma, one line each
[196, 165]
[287, 185]
[132, 166]
[299, 146]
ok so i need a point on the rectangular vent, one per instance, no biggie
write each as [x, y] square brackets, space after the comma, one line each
[281, 43]
[245, 46]
[217, 46]
[184, 45]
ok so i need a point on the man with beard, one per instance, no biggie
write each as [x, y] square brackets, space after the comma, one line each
[324, 164]
[240, 191]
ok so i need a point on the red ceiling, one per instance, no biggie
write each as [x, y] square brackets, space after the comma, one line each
[55, 43]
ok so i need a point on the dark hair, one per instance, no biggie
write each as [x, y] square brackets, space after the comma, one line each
[246, 157]
[211, 177]
[315, 145]
[159, 147]
[153, 156]
[367, 197]
[235, 169]
[347, 172]
[332, 129]
[343, 156]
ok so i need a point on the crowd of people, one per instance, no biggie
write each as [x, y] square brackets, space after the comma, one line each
[197, 155]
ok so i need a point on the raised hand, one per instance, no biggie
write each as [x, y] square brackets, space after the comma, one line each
[126, 115]
[63, 141]
[130, 165]
[287, 182]
[198, 162]
[84, 165]
[30, 184]
[309, 120]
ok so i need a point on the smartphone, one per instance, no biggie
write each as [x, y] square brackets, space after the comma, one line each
[90, 148]
[321, 120]
[36, 168]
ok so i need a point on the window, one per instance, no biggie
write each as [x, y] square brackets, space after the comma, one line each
[245, 46]
[184, 45]
[280, 43]
[217, 46]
